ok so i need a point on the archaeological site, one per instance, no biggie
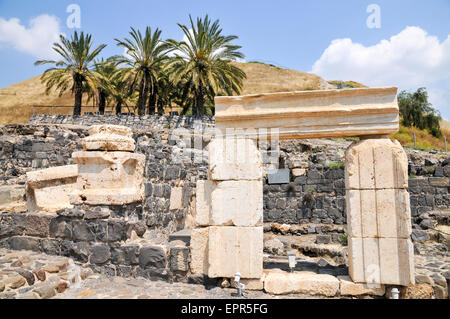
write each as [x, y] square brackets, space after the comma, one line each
[294, 195]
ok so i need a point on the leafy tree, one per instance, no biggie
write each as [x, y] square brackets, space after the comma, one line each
[144, 60]
[416, 111]
[75, 70]
[203, 62]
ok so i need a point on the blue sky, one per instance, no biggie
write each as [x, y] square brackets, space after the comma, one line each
[331, 38]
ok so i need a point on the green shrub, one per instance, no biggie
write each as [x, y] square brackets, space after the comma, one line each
[336, 165]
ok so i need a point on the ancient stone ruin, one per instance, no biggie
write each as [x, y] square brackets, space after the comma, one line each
[116, 194]
[380, 251]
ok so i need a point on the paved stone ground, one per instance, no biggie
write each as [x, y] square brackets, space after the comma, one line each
[31, 275]
[103, 287]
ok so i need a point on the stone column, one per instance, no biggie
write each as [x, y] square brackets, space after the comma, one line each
[378, 213]
[109, 173]
[229, 212]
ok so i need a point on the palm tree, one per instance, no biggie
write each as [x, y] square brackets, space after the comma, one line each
[105, 71]
[74, 70]
[205, 61]
[144, 60]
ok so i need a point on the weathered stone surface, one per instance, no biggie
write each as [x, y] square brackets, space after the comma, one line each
[376, 163]
[49, 190]
[97, 213]
[307, 114]
[108, 178]
[100, 254]
[419, 291]
[179, 259]
[152, 257]
[234, 159]
[382, 213]
[176, 196]
[24, 243]
[227, 203]
[350, 288]
[203, 202]
[109, 138]
[381, 261]
[37, 225]
[280, 283]
[235, 249]
[199, 250]
[396, 261]
[28, 275]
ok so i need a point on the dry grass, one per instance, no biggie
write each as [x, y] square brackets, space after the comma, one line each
[424, 140]
[263, 78]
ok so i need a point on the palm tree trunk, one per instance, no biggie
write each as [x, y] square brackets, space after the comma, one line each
[78, 97]
[119, 108]
[152, 103]
[102, 102]
[160, 107]
[200, 100]
[142, 98]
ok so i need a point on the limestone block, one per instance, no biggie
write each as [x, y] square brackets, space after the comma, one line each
[199, 250]
[363, 260]
[353, 205]
[230, 203]
[393, 213]
[109, 178]
[350, 288]
[397, 261]
[312, 114]
[381, 213]
[376, 163]
[235, 249]
[234, 159]
[176, 198]
[203, 202]
[49, 190]
[388, 261]
[109, 138]
[355, 260]
[279, 283]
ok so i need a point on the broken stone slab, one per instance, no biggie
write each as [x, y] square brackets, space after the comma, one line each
[381, 213]
[387, 261]
[313, 114]
[279, 282]
[199, 250]
[109, 138]
[350, 288]
[234, 159]
[229, 203]
[108, 178]
[376, 163]
[235, 249]
[49, 190]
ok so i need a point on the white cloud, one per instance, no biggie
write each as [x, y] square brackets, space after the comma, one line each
[409, 60]
[35, 39]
